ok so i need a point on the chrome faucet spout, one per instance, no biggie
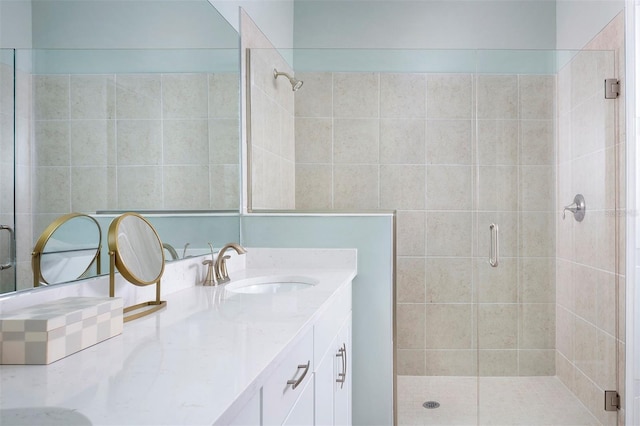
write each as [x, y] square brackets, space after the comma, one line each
[172, 251]
[220, 268]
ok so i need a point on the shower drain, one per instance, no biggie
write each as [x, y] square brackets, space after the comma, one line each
[431, 404]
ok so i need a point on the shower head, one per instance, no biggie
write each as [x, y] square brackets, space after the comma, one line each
[295, 83]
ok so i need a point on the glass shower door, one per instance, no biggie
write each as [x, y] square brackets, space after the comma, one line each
[545, 287]
[7, 158]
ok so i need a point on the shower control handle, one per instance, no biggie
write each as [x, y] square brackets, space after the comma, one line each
[578, 208]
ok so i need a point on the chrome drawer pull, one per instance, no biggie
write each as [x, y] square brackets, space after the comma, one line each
[295, 383]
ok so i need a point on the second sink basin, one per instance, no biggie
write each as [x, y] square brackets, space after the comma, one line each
[271, 284]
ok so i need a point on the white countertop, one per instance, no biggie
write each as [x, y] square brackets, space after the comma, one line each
[186, 364]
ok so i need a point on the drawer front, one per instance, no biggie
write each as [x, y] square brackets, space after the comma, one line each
[296, 370]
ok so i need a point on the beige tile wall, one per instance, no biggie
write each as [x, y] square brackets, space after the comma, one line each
[590, 254]
[24, 179]
[135, 141]
[408, 142]
[272, 132]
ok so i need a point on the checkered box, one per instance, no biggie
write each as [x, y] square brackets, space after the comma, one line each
[44, 333]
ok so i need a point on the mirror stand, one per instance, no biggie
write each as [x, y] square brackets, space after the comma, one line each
[155, 305]
[136, 251]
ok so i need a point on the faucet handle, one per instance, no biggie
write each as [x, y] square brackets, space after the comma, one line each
[210, 278]
[577, 208]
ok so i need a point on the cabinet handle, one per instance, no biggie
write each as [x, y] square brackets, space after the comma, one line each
[295, 383]
[342, 353]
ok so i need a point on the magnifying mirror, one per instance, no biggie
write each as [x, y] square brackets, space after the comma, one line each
[66, 250]
[136, 251]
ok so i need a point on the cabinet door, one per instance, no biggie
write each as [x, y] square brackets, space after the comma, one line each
[325, 378]
[302, 412]
[342, 380]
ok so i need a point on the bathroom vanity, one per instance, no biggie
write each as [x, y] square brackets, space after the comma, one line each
[214, 355]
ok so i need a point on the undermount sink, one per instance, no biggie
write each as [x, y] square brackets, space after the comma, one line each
[271, 284]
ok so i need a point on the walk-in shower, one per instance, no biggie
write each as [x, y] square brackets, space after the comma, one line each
[503, 308]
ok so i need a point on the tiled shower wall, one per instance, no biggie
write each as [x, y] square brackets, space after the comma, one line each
[590, 254]
[134, 141]
[272, 138]
[24, 178]
[452, 153]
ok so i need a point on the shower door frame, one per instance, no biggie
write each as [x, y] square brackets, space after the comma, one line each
[7, 186]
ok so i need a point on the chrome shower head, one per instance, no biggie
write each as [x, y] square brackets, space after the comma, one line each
[295, 83]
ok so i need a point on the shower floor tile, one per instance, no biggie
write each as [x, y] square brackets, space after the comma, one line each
[503, 401]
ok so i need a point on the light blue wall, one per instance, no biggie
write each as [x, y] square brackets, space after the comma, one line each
[428, 61]
[442, 24]
[125, 61]
[15, 24]
[177, 230]
[274, 17]
[75, 36]
[578, 21]
[104, 24]
[373, 293]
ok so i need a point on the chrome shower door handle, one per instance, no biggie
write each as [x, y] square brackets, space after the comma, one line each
[494, 250]
[4, 266]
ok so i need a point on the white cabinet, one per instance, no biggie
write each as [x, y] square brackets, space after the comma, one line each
[333, 381]
[311, 385]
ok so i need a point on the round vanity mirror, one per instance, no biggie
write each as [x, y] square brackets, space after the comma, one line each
[139, 255]
[67, 250]
[136, 251]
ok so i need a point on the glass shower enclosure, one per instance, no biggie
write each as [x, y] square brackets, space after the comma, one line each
[507, 306]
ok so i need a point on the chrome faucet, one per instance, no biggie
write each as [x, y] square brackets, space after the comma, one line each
[184, 251]
[220, 268]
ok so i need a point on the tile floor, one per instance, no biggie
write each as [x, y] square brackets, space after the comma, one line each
[503, 401]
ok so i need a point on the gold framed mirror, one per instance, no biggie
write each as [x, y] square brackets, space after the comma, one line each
[136, 251]
[67, 250]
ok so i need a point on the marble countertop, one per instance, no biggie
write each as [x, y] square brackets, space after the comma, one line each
[187, 364]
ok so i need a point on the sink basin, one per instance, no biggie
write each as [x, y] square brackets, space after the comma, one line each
[271, 284]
